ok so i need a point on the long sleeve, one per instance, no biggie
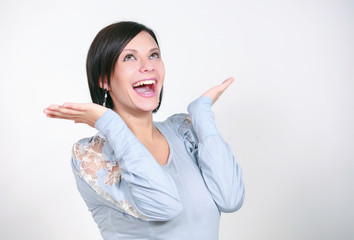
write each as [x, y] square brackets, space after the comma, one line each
[127, 173]
[220, 171]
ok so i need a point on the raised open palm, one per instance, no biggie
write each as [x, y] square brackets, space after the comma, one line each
[87, 113]
[215, 92]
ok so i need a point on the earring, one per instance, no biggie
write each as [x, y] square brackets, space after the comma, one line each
[105, 97]
[157, 108]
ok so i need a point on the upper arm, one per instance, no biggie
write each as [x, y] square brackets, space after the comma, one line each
[90, 162]
[102, 174]
[132, 189]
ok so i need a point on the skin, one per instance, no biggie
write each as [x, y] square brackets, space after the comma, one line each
[139, 60]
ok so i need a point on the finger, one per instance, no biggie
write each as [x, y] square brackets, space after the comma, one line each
[68, 111]
[49, 111]
[76, 106]
[62, 113]
[225, 84]
[50, 115]
[53, 107]
[55, 115]
[62, 110]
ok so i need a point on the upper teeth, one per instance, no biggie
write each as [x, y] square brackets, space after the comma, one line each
[144, 83]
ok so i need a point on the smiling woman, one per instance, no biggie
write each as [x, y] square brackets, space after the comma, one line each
[138, 75]
[119, 48]
[142, 179]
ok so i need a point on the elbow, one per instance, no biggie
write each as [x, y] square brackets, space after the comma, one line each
[234, 203]
[234, 198]
[161, 211]
[166, 212]
[171, 212]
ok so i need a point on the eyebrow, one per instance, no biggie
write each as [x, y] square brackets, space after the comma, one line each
[134, 50]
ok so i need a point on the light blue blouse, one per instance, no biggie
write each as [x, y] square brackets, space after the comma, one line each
[131, 196]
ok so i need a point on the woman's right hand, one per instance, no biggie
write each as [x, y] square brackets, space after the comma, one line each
[87, 113]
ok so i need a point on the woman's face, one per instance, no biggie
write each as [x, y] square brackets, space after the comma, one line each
[138, 76]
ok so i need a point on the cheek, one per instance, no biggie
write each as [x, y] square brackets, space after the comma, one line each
[126, 71]
[119, 85]
[161, 68]
[122, 76]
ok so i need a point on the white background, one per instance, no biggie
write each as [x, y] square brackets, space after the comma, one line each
[289, 116]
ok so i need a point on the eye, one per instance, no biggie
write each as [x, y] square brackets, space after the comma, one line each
[154, 55]
[128, 57]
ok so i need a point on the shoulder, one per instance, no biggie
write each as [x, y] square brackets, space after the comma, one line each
[92, 154]
[179, 123]
[178, 119]
[95, 169]
[92, 145]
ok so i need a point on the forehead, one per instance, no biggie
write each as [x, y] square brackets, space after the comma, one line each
[141, 41]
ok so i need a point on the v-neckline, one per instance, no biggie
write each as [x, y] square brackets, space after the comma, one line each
[161, 130]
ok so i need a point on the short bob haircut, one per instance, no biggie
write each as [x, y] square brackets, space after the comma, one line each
[103, 54]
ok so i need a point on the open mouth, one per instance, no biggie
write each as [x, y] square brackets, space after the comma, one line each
[145, 88]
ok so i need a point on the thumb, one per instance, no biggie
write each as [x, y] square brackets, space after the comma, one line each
[225, 84]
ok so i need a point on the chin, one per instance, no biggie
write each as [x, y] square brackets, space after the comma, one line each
[147, 107]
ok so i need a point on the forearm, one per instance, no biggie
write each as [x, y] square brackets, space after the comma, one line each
[220, 171]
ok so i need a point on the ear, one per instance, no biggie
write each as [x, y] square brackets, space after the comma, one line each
[103, 83]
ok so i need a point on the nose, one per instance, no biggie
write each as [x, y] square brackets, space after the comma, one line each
[147, 66]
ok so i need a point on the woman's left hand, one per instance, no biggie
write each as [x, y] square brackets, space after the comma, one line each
[215, 92]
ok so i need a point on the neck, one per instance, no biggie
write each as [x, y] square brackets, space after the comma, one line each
[140, 123]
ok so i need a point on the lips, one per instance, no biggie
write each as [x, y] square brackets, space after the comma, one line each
[145, 88]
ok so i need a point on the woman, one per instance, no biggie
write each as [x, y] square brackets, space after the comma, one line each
[142, 179]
